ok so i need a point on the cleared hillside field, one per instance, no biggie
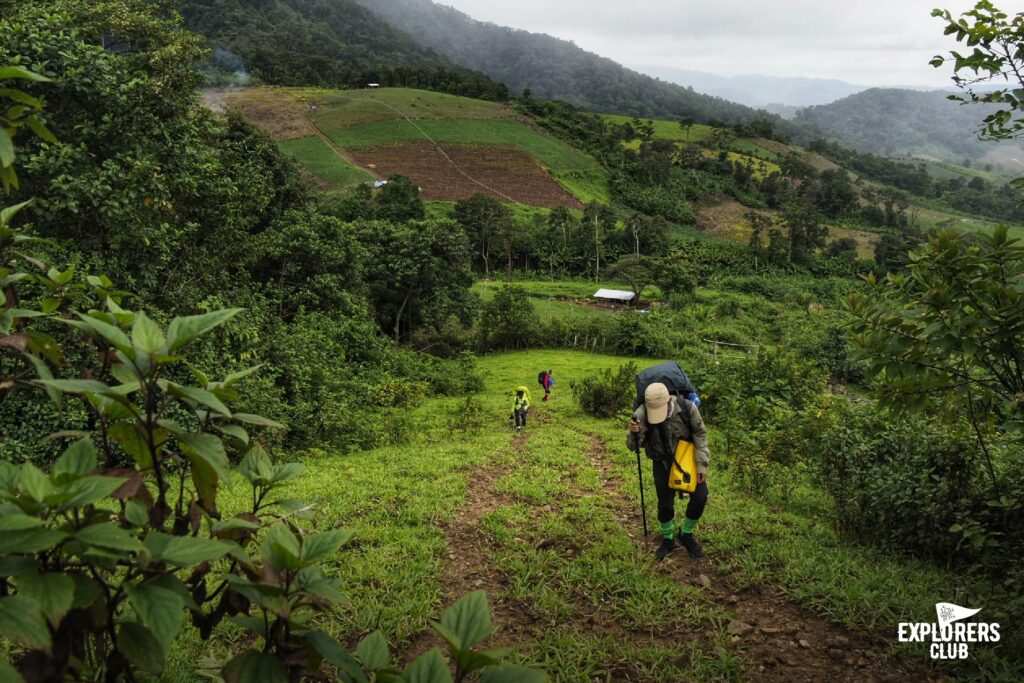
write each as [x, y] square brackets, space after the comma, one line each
[667, 130]
[451, 146]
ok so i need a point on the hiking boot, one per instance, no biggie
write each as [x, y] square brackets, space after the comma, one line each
[691, 545]
[667, 546]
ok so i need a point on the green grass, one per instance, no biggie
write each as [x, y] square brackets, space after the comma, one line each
[589, 601]
[316, 156]
[668, 130]
[338, 109]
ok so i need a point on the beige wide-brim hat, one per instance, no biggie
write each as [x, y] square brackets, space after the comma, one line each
[656, 403]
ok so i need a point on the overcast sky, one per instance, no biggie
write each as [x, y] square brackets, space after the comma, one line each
[866, 42]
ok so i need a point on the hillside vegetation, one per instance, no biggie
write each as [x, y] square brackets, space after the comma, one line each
[892, 122]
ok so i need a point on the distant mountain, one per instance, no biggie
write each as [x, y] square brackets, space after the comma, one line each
[896, 122]
[552, 68]
[758, 90]
[322, 42]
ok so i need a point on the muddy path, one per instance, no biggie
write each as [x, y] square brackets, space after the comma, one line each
[777, 639]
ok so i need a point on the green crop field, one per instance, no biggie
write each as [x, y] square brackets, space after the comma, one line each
[339, 109]
[314, 154]
[668, 130]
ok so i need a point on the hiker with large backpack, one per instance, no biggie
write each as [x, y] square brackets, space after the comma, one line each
[546, 380]
[669, 427]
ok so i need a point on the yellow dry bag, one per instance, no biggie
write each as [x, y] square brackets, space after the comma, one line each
[683, 474]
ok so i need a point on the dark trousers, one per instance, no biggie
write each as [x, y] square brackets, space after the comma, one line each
[520, 418]
[667, 496]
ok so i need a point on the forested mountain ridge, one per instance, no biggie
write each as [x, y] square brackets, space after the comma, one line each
[897, 122]
[324, 42]
[551, 68]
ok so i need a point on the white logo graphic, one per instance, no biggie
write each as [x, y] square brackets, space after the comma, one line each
[948, 613]
[951, 636]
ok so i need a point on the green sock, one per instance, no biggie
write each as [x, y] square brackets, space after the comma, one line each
[668, 529]
[688, 526]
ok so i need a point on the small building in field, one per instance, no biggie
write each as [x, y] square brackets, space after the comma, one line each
[373, 85]
[615, 297]
[377, 184]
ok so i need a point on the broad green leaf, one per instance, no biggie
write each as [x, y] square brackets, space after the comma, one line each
[469, 619]
[287, 472]
[373, 651]
[76, 386]
[107, 535]
[280, 548]
[147, 335]
[90, 490]
[113, 335]
[508, 673]
[255, 667]
[208, 447]
[185, 551]
[34, 483]
[130, 437]
[140, 646]
[7, 213]
[236, 432]
[54, 593]
[336, 655]
[9, 72]
[257, 420]
[136, 512]
[197, 395]
[184, 330]
[78, 460]
[240, 375]
[6, 148]
[319, 547]
[41, 131]
[160, 610]
[17, 522]
[44, 374]
[428, 668]
[29, 540]
[87, 591]
[21, 620]
[8, 674]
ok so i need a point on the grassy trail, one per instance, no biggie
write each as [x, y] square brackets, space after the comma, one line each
[546, 520]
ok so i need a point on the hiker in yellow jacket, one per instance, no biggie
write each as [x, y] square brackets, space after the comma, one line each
[520, 404]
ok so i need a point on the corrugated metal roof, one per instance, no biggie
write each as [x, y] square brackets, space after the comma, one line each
[616, 294]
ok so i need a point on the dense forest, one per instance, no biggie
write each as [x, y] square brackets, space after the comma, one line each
[550, 68]
[334, 43]
[892, 122]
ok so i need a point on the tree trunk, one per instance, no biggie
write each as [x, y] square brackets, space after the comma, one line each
[398, 315]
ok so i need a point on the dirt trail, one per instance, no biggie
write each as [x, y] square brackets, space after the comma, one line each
[777, 639]
[468, 565]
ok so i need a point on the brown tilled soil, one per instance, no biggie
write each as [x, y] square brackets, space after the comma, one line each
[505, 173]
[281, 114]
[727, 220]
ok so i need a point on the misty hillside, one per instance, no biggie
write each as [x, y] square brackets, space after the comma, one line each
[759, 90]
[323, 42]
[552, 68]
[894, 122]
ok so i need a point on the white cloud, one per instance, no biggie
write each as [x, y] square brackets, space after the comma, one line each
[870, 42]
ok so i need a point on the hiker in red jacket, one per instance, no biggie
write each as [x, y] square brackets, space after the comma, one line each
[546, 380]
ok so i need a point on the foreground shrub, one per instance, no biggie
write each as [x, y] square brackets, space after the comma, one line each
[607, 393]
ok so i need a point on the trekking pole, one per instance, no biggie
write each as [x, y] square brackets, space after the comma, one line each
[643, 505]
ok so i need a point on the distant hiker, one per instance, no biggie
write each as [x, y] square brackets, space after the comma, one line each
[520, 404]
[658, 425]
[546, 380]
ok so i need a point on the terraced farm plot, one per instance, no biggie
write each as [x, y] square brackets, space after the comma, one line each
[323, 162]
[668, 130]
[727, 221]
[462, 171]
